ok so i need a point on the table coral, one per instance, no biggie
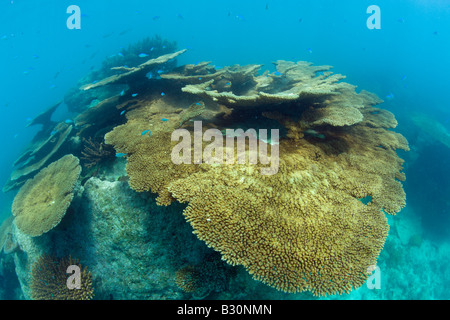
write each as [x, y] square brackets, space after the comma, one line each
[42, 202]
[304, 228]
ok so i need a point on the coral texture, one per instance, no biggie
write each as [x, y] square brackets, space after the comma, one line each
[42, 202]
[49, 280]
[304, 228]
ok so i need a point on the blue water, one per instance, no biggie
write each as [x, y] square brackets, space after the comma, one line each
[406, 63]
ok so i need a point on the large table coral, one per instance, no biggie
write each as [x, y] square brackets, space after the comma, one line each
[305, 228]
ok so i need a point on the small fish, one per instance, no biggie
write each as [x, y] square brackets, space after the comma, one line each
[390, 96]
[435, 33]
[300, 20]
[68, 121]
[120, 54]
[309, 50]
[401, 20]
[143, 55]
[200, 78]
[156, 18]
[198, 103]
[160, 71]
[134, 95]
[123, 112]
[404, 78]
[277, 73]
[122, 93]
[144, 132]
[164, 119]
[120, 155]
[228, 84]
[35, 56]
[151, 49]
[239, 17]
[162, 94]
[149, 75]
[179, 16]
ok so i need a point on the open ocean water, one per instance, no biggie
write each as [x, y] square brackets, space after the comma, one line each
[398, 50]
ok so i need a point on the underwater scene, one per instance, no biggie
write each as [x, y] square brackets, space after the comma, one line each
[225, 150]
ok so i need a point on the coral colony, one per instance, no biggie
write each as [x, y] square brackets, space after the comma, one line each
[189, 146]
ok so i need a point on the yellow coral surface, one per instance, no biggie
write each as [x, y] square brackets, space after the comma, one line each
[42, 202]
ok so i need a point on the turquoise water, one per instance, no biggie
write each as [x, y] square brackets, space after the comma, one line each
[405, 63]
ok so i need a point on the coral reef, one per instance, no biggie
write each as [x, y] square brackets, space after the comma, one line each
[49, 280]
[303, 229]
[314, 227]
[42, 202]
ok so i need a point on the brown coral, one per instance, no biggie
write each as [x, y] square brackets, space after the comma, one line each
[49, 280]
[42, 202]
[40, 151]
[95, 152]
[148, 158]
[304, 228]
[132, 73]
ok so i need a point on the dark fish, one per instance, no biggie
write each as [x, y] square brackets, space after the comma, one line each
[156, 18]
[124, 32]
[56, 75]
[179, 16]
[267, 6]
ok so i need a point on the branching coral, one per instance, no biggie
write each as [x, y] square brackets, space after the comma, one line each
[49, 280]
[42, 202]
[95, 152]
